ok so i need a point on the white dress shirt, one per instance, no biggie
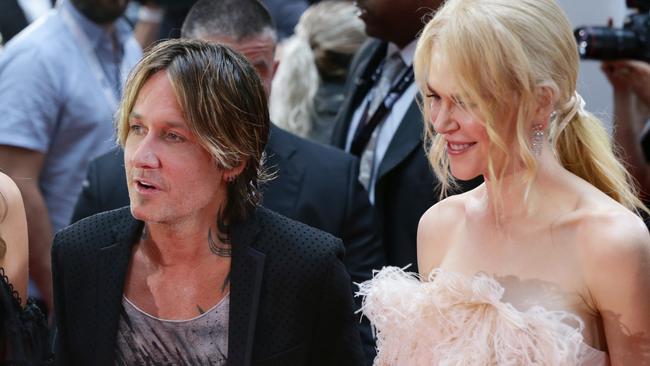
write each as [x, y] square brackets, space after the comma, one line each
[389, 125]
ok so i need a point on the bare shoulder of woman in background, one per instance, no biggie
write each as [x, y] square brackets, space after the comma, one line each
[13, 236]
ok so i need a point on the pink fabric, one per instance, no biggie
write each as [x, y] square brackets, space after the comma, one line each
[458, 320]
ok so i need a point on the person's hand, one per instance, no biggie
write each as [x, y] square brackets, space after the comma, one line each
[629, 76]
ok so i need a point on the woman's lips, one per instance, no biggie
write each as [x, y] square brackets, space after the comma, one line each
[456, 148]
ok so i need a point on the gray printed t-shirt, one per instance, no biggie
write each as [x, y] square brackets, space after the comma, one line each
[146, 340]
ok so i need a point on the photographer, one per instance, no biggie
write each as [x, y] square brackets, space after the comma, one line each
[630, 80]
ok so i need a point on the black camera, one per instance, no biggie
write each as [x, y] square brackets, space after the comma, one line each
[608, 43]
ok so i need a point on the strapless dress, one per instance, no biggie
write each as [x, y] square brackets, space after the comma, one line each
[453, 319]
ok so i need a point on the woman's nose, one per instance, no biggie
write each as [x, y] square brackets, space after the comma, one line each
[443, 121]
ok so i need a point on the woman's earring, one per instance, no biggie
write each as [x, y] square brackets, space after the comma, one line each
[537, 139]
[230, 178]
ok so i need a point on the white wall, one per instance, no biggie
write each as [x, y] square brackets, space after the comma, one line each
[592, 84]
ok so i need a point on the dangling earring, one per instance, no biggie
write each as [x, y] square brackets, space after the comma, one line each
[230, 179]
[537, 139]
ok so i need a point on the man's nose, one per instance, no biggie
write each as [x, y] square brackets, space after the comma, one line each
[145, 154]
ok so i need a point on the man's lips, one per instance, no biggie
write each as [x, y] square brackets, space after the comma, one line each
[145, 184]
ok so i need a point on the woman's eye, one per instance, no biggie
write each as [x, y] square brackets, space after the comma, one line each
[433, 96]
[459, 102]
[434, 100]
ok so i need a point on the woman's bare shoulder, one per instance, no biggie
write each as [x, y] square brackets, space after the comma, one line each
[609, 236]
[8, 188]
[445, 213]
[13, 231]
[600, 223]
[436, 228]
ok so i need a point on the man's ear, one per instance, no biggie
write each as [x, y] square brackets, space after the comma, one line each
[231, 174]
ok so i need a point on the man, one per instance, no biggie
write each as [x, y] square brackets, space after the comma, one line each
[314, 184]
[60, 81]
[194, 271]
[381, 123]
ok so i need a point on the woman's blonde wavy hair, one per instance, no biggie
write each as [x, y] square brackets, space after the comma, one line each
[325, 40]
[503, 53]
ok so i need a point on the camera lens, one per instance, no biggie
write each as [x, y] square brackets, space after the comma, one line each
[604, 43]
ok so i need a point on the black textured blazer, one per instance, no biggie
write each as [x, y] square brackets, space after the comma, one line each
[290, 301]
[315, 184]
[405, 186]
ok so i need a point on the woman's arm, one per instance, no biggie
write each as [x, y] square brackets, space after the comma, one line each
[617, 268]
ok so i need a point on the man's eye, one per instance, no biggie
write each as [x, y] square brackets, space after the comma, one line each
[174, 137]
[136, 129]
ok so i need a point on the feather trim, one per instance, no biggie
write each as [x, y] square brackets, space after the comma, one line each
[453, 319]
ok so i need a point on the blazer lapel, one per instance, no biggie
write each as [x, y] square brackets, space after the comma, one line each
[358, 86]
[281, 194]
[407, 138]
[246, 285]
[112, 264]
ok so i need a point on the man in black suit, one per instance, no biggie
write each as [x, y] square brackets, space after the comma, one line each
[381, 123]
[194, 271]
[314, 184]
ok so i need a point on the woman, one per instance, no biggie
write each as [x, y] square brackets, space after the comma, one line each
[547, 262]
[308, 88]
[23, 331]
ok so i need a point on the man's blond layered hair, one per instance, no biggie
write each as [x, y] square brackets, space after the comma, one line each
[502, 54]
[224, 104]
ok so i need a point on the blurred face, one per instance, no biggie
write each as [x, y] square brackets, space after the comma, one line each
[101, 11]
[466, 139]
[259, 51]
[170, 176]
[396, 21]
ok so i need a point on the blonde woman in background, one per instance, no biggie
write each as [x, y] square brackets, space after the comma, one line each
[308, 86]
[23, 330]
[547, 262]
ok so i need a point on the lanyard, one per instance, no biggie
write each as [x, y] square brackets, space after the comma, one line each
[367, 124]
[91, 57]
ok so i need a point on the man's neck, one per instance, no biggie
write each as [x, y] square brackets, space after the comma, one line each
[181, 243]
[108, 27]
